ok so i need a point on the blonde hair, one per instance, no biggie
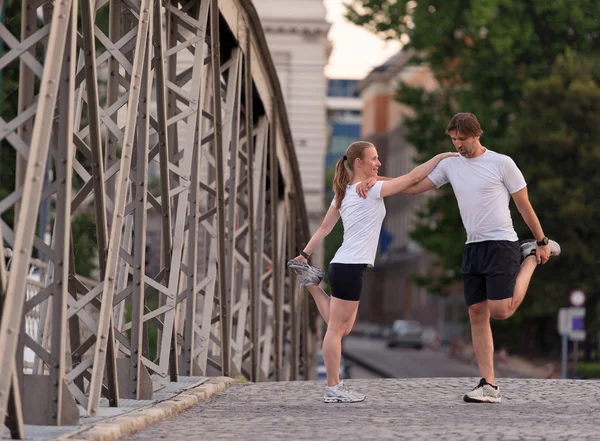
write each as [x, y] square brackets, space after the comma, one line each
[344, 167]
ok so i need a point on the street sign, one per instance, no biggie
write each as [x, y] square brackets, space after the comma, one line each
[571, 323]
[571, 326]
[563, 321]
[577, 297]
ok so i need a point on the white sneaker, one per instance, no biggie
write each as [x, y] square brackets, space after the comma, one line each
[483, 393]
[529, 246]
[341, 394]
[307, 274]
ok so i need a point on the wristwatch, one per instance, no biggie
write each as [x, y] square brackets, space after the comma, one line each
[543, 242]
[303, 254]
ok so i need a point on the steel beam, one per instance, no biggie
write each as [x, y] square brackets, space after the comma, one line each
[274, 205]
[224, 300]
[253, 292]
[116, 233]
[14, 417]
[32, 189]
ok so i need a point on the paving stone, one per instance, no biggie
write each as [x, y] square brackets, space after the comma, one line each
[395, 409]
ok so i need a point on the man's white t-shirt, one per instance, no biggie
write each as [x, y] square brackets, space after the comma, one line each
[362, 219]
[482, 186]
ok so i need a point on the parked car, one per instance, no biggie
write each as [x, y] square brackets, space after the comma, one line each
[322, 373]
[406, 333]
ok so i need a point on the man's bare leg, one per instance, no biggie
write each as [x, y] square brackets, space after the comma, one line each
[503, 309]
[321, 299]
[483, 343]
[479, 315]
[522, 283]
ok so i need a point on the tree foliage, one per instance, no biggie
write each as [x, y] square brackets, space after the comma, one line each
[529, 70]
[83, 225]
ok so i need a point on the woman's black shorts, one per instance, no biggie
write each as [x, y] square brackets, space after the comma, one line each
[346, 280]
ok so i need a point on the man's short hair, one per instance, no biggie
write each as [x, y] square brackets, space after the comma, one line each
[465, 123]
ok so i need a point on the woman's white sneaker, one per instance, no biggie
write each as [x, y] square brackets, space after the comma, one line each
[484, 393]
[341, 394]
[307, 274]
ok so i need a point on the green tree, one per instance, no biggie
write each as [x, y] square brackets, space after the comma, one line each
[487, 56]
[83, 226]
[9, 99]
[560, 131]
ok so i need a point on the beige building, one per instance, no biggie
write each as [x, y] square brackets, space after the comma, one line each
[296, 32]
[390, 290]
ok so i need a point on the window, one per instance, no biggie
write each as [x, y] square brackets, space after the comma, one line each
[342, 88]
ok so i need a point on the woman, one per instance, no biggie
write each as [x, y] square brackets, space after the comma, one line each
[362, 218]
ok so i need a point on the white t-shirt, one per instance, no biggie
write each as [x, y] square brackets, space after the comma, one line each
[362, 219]
[482, 186]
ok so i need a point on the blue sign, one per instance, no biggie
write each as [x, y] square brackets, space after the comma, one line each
[577, 324]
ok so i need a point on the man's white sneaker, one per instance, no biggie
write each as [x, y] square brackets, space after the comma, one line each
[529, 246]
[483, 393]
[341, 394]
[307, 274]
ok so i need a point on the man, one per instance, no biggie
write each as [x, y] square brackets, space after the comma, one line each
[496, 269]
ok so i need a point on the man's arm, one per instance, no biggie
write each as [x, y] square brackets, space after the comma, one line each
[521, 199]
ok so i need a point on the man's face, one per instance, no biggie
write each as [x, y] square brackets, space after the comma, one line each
[465, 145]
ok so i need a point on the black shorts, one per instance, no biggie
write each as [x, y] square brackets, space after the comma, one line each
[490, 270]
[346, 280]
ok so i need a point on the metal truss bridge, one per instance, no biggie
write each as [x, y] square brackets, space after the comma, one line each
[163, 122]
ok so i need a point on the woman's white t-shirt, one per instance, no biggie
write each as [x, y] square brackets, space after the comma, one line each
[362, 219]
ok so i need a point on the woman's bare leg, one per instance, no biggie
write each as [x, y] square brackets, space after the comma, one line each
[321, 299]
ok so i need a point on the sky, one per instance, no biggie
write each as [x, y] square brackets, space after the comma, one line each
[348, 40]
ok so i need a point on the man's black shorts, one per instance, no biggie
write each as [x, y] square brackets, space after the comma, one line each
[346, 280]
[490, 270]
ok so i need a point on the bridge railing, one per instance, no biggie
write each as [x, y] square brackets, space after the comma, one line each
[164, 122]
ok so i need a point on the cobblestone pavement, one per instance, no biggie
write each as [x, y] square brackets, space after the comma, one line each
[395, 409]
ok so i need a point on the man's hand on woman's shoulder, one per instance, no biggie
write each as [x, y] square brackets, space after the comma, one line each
[363, 188]
[445, 155]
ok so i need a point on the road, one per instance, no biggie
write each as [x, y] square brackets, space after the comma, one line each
[357, 372]
[404, 363]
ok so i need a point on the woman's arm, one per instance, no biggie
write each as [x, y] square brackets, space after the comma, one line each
[421, 187]
[331, 218]
[417, 174]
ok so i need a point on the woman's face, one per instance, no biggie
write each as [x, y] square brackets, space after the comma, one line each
[369, 164]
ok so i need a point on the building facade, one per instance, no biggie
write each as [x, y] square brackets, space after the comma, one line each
[344, 107]
[296, 32]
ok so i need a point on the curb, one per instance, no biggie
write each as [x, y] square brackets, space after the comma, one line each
[123, 425]
[368, 366]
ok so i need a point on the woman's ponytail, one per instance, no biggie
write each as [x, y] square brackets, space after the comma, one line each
[340, 180]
